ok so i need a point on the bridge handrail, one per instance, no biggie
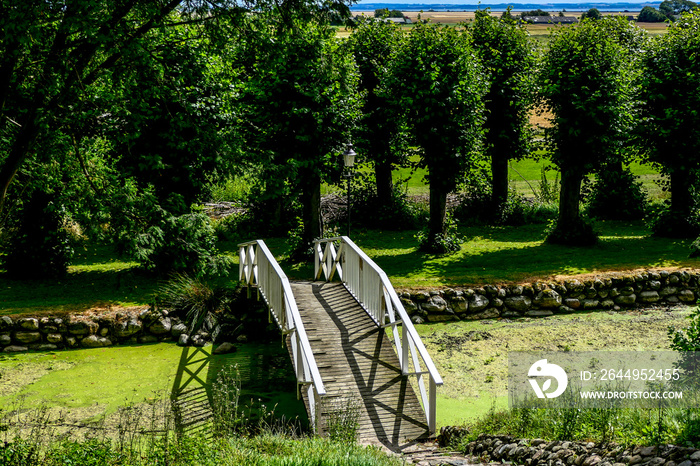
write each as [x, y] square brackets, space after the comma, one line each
[258, 268]
[369, 284]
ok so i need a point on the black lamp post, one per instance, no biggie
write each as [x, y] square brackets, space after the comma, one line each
[349, 163]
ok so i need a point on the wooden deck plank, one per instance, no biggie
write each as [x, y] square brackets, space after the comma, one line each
[358, 363]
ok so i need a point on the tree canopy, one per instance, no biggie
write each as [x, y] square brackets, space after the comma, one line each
[671, 124]
[586, 83]
[439, 82]
[509, 58]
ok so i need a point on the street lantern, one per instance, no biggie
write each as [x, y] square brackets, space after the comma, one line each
[349, 163]
[349, 157]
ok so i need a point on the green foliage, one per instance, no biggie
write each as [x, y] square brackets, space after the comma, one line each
[369, 211]
[381, 135]
[639, 426]
[649, 14]
[342, 421]
[592, 13]
[586, 79]
[92, 452]
[447, 242]
[508, 57]
[172, 244]
[672, 8]
[616, 195]
[538, 12]
[226, 390]
[687, 342]
[196, 300]
[40, 246]
[298, 107]
[18, 453]
[386, 13]
[439, 83]
[580, 233]
[670, 121]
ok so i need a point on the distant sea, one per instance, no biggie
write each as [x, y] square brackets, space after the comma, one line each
[631, 7]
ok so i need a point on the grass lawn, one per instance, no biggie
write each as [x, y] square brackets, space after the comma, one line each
[510, 254]
[489, 255]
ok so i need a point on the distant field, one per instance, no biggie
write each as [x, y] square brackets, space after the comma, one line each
[537, 31]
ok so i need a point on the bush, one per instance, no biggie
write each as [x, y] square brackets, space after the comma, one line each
[235, 227]
[649, 14]
[582, 234]
[445, 243]
[177, 244]
[40, 246]
[616, 195]
[369, 212]
[666, 225]
[519, 210]
[197, 300]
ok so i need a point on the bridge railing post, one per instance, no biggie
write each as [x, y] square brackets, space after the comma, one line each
[371, 287]
[259, 268]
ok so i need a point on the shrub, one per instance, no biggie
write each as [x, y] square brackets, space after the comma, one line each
[40, 246]
[665, 224]
[177, 244]
[369, 212]
[616, 195]
[687, 342]
[443, 243]
[235, 227]
[519, 210]
[579, 234]
[196, 299]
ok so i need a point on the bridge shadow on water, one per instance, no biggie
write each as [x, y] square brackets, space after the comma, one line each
[267, 385]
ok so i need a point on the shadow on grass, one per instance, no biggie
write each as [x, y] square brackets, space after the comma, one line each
[77, 291]
[494, 257]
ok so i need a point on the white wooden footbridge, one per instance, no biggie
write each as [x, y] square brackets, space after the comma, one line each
[352, 344]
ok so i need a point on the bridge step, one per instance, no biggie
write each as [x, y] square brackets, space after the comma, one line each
[359, 366]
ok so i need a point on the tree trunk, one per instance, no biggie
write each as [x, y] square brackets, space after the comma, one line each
[311, 215]
[681, 199]
[499, 175]
[569, 199]
[21, 148]
[385, 184]
[438, 209]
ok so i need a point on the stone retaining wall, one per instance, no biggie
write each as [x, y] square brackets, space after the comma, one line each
[537, 452]
[93, 331]
[610, 292]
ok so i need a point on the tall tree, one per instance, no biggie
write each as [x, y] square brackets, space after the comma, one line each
[381, 131]
[671, 123]
[439, 82]
[586, 83]
[52, 53]
[509, 59]
[299, 105]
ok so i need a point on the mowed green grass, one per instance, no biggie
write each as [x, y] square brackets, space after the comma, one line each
[490, 254]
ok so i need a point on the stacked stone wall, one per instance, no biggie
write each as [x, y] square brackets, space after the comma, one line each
[538, 452]
[541, 299]
[48, 333]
